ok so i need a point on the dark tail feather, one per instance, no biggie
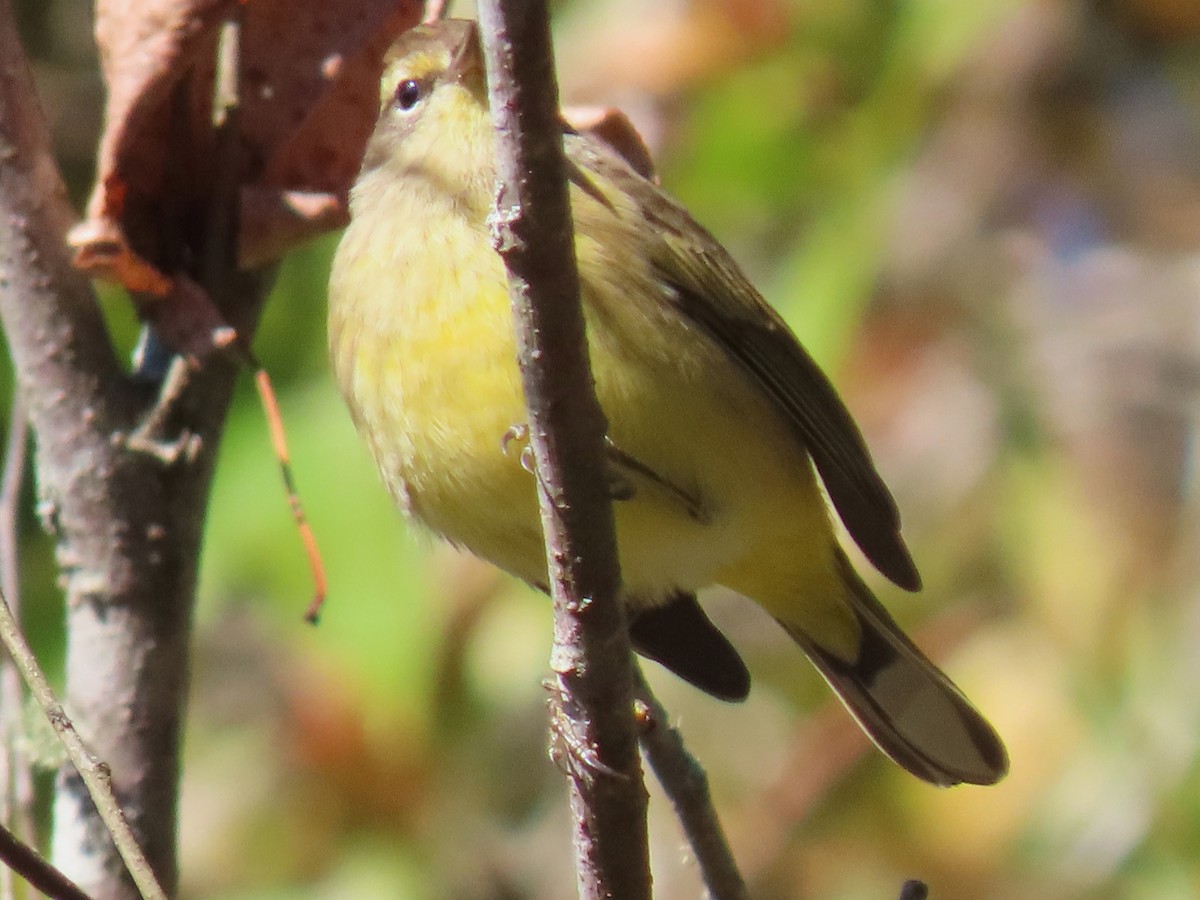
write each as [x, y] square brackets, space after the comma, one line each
[910, 709]
[680, 636]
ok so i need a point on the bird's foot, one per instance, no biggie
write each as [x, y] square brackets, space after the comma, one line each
[566, 749]
[516, 441]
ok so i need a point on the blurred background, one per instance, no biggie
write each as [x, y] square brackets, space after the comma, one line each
[983, 219]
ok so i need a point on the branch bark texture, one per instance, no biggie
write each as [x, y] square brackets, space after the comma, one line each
[41, 875]
[591, 658]
[686, 784]
[127, 522]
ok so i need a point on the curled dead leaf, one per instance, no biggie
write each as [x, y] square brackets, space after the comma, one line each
[307, 96]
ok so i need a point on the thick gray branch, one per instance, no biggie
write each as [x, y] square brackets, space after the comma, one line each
[127, 523]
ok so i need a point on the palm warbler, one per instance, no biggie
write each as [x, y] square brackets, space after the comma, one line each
[719, 422]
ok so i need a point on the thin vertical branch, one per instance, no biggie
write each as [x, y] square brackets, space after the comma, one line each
[592, 658]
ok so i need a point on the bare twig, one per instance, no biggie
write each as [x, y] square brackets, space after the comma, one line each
[95, 772]
[686, 785]
[312, 551]
[28, 863]
[592, 657]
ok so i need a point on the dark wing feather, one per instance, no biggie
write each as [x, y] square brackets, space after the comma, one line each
[709, 288]
[681, 637]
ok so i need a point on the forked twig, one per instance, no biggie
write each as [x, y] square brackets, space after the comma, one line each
[95, 773]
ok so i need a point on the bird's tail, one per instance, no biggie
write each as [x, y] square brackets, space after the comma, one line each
[910, 709]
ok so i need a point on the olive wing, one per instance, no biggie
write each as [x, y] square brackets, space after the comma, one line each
[705, 285]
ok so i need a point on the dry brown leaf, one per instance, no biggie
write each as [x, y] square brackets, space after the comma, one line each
[312, 96]
[669, 47]
[157, 60]
[275, 220]
[308, 81]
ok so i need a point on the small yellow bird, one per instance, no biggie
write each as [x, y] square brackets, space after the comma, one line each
[719, 421]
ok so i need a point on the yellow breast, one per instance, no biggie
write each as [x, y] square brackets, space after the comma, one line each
[429, 369]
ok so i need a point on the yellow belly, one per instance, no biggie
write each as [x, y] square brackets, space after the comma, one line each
[431, 376]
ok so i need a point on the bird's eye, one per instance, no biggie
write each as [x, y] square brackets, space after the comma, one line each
[408, 94]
